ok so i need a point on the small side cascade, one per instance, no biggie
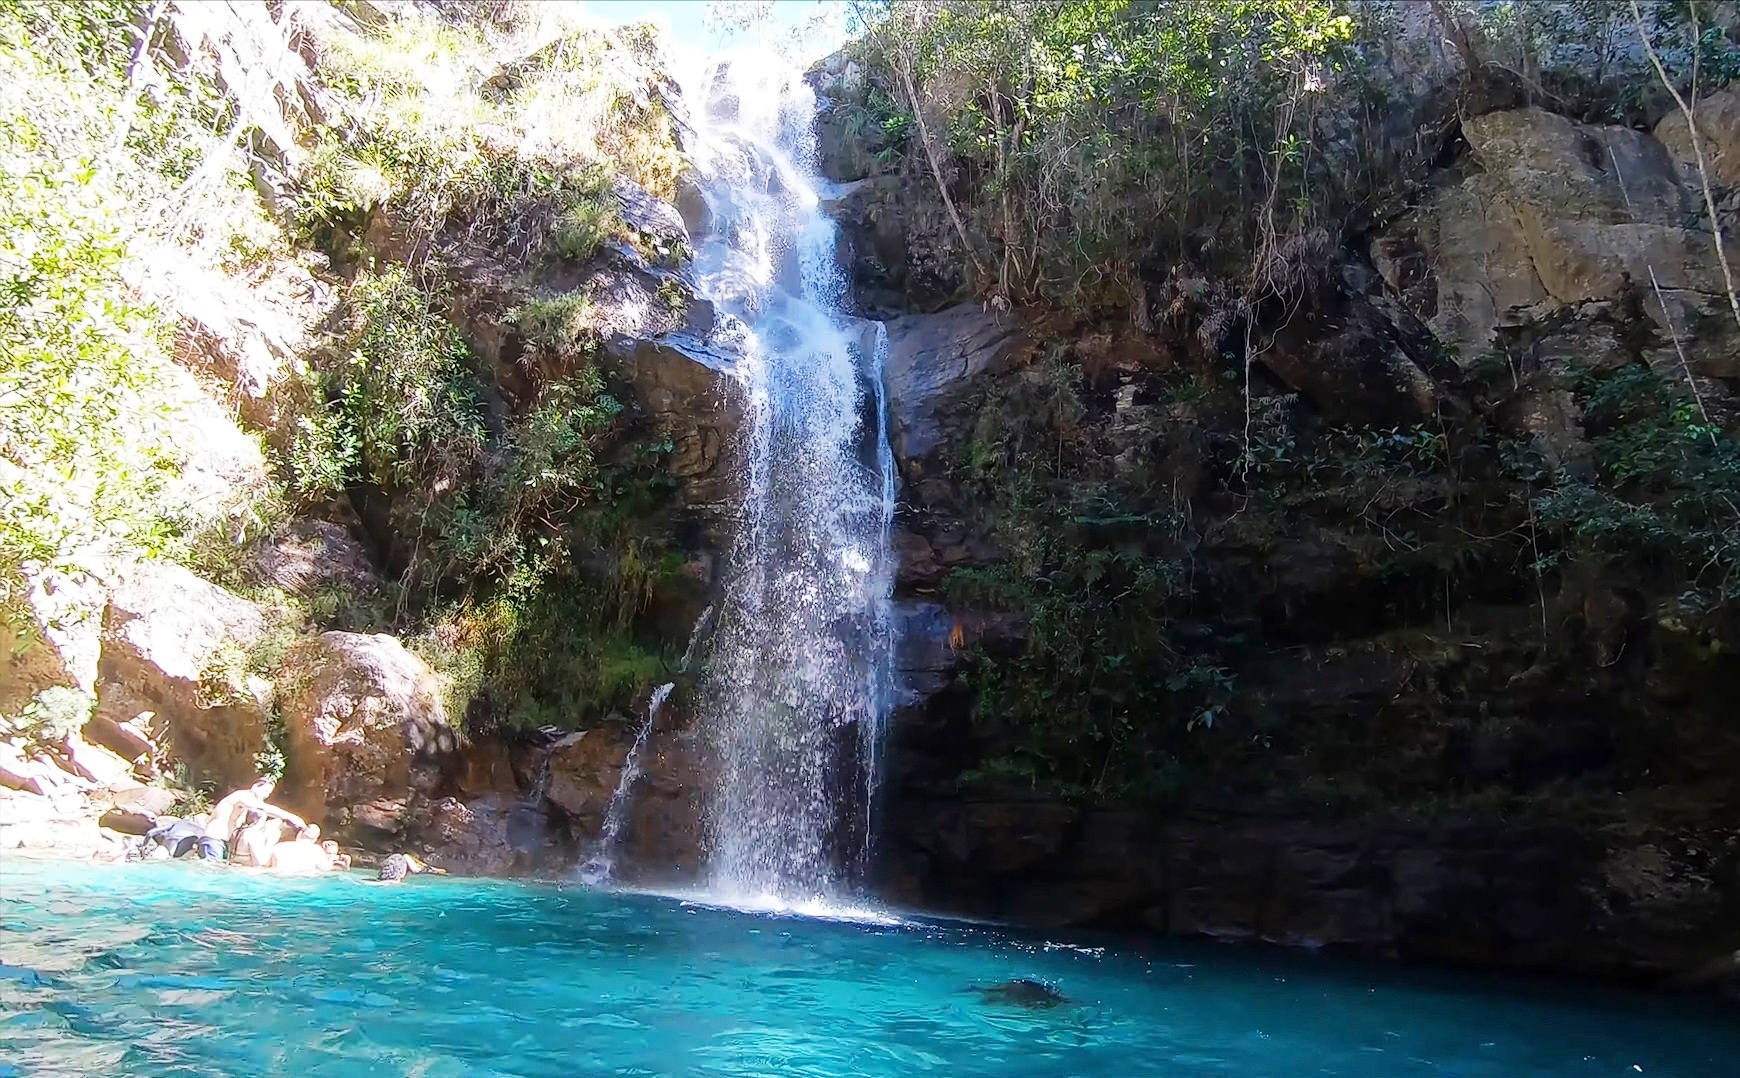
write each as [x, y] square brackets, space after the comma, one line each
[879, 690]
[599, 868]
[526, 824]
[541, 781]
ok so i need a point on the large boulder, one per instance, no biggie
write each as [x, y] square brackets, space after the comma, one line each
[661, 842]
[135, 810]
[1459, 263]
[663, 839]
[683, 387]
[60, 826]
[1718, 118]
[659, 223]
[364, 724]
[170, 641]
[491, 836]
[1561, 215]
[126, 723]
[931, 360]
[1372, 367]
[584, 769]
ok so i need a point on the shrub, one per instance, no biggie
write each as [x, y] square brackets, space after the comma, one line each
[583, 228]
[563, 323]
[105, 163]
[525, 162]
[83, 397]
[402, 398]
[1664, 495]
[51, 716]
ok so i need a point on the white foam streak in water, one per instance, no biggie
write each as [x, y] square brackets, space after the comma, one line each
[794, 689]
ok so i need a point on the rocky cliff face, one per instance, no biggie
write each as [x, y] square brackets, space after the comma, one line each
[1379, 703]
[534, 330]
[1366, 616]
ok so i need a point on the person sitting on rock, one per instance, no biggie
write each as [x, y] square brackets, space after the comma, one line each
[229, 815]
[395, 868]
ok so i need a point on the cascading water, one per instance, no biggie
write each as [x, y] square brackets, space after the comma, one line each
[602, 864]
[796, 684]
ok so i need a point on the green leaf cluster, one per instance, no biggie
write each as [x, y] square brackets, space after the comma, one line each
[1102, 693]
[1663, 493]
[1075, 119]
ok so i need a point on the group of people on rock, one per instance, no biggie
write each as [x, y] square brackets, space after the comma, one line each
[244, 828]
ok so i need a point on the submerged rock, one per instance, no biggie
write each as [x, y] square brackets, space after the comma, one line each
[1024, 992]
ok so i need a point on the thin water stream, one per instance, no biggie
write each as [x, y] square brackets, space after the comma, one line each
[601, 866]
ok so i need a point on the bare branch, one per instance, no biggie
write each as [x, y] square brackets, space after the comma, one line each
[942, 187]
[1689, 111]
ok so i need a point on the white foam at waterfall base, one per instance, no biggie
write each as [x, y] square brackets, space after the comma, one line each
[793, 687]
[820, 909]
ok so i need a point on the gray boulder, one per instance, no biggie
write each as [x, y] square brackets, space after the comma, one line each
[1718, 117]
[932, 358]
[1561, 215]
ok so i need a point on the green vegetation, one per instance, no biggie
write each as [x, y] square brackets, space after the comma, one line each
[1663, 496]
[521, 563]
[1100, 698]
[564, 323]
[520, 556]
[83, 382]
[107, 163]
[401, 402]
[508, 525]
[1246, 135]
[1075, 118]
[442, 132]
[1449, 566]
[50, 717]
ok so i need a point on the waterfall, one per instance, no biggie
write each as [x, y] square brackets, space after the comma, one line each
[602, 864]
[795, 684]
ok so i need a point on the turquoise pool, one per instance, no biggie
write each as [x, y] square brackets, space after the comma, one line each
[175, 969]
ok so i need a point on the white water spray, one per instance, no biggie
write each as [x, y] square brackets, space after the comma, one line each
[795, 687]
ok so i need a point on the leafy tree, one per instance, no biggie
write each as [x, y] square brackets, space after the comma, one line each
[82, 386]
[1073, 120]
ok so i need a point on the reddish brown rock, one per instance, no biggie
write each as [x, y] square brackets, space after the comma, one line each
[585, 768]
[364, 723]
[96, 763]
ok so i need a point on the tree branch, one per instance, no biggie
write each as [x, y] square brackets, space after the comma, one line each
[1688, 110]
[930, 154]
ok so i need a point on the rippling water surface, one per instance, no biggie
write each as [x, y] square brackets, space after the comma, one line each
[173, 969]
